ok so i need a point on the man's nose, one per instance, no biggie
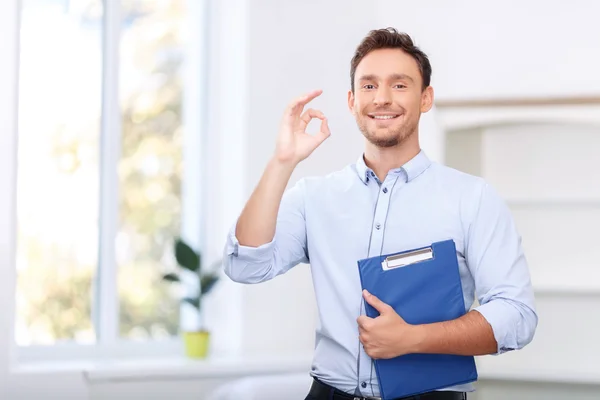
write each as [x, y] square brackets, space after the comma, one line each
[382, 97]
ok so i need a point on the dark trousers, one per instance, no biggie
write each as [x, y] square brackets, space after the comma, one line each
[321, 391]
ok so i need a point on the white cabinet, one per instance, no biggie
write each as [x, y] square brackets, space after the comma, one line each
[545, 161]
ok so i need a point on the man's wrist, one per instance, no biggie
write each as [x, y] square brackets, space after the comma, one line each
[417, 339]
[282, 163]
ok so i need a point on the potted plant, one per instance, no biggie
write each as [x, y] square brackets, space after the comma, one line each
[201, 282]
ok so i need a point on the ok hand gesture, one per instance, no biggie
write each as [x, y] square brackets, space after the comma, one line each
[293, 143]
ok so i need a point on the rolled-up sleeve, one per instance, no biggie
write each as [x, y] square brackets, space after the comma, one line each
[246, 264]
[496, 259]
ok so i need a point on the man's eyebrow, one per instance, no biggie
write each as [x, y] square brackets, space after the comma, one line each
[395, 77]
[400, 77]
[368, 78]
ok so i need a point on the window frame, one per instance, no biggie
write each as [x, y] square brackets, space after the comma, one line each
[106, 320]
[9, 72]
[196, 198]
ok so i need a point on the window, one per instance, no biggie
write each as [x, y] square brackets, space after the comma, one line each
[150, 169]
[99, 170]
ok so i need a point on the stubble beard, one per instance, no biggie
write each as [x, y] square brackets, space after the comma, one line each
[392, 138]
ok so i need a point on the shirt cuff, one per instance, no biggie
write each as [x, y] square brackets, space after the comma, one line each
[500, 316]
[262, 253]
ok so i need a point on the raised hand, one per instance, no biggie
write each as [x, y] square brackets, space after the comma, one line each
[293, 143]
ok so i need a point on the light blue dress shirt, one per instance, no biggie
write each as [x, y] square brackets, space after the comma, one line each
[335, 220]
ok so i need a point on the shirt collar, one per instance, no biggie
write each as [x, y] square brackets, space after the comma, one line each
[413, 168]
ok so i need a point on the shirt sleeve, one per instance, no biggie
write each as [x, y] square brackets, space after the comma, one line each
[498, 264]
[246, 264]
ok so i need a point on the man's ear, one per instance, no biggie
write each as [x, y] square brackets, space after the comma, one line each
[427, 99]
[351, 101]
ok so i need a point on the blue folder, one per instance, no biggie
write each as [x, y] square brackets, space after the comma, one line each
[423, 286]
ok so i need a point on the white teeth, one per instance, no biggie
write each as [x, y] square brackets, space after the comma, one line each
[384, 116]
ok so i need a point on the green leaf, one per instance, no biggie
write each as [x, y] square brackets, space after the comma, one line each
[186, 256]
[171, 277]
[195, 301]
[208, 282]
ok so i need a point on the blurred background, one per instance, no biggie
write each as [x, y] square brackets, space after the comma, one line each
[129, 123]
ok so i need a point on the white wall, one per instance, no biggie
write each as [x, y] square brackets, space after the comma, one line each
[505, 48]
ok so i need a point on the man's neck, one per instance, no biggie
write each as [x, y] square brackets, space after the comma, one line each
[382, 160]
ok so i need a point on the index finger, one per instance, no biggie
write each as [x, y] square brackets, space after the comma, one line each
[296, 106]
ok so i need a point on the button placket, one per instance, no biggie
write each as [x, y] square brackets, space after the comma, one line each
[377, 235]
[381, 210]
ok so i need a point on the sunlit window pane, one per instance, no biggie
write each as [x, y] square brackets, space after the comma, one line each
[58, 169]
[150, 168]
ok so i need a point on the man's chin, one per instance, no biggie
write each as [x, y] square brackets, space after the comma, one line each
[386, 139]
[383, 136]
[383, 141]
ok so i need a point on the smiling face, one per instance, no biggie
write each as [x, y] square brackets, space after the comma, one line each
[388, 97]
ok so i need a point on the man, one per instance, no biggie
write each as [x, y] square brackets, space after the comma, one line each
[392, 199]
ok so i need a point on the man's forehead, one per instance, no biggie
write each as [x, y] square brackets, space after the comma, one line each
[388, 63]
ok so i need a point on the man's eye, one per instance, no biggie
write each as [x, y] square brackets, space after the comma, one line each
[369, 86]
[399, 86]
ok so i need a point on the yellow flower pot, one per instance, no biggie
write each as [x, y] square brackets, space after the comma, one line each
[196, 344]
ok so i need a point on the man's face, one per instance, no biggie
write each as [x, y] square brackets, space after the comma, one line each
[388, 98]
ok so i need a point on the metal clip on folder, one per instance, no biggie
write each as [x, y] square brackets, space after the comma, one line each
[404, 259]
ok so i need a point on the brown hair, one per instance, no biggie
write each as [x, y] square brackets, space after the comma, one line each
[390, 38]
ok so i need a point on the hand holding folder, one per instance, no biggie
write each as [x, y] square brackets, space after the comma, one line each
[423, 286]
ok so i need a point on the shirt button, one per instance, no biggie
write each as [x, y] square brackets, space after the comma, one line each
[384, 190]
[377, 225]
[364, 384]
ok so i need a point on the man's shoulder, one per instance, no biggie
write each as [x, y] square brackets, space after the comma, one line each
[467, 188]
[470, 188]
[456, 177]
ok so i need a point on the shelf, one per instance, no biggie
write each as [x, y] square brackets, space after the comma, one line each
[537, 374]
[167, 368]
[518, 102]
[567, 290]
[588, 284]
[553, 202]
[181, 368]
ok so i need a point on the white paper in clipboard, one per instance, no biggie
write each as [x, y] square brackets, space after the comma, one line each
[404, 259]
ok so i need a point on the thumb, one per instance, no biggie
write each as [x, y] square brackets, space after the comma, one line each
[375, 302]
